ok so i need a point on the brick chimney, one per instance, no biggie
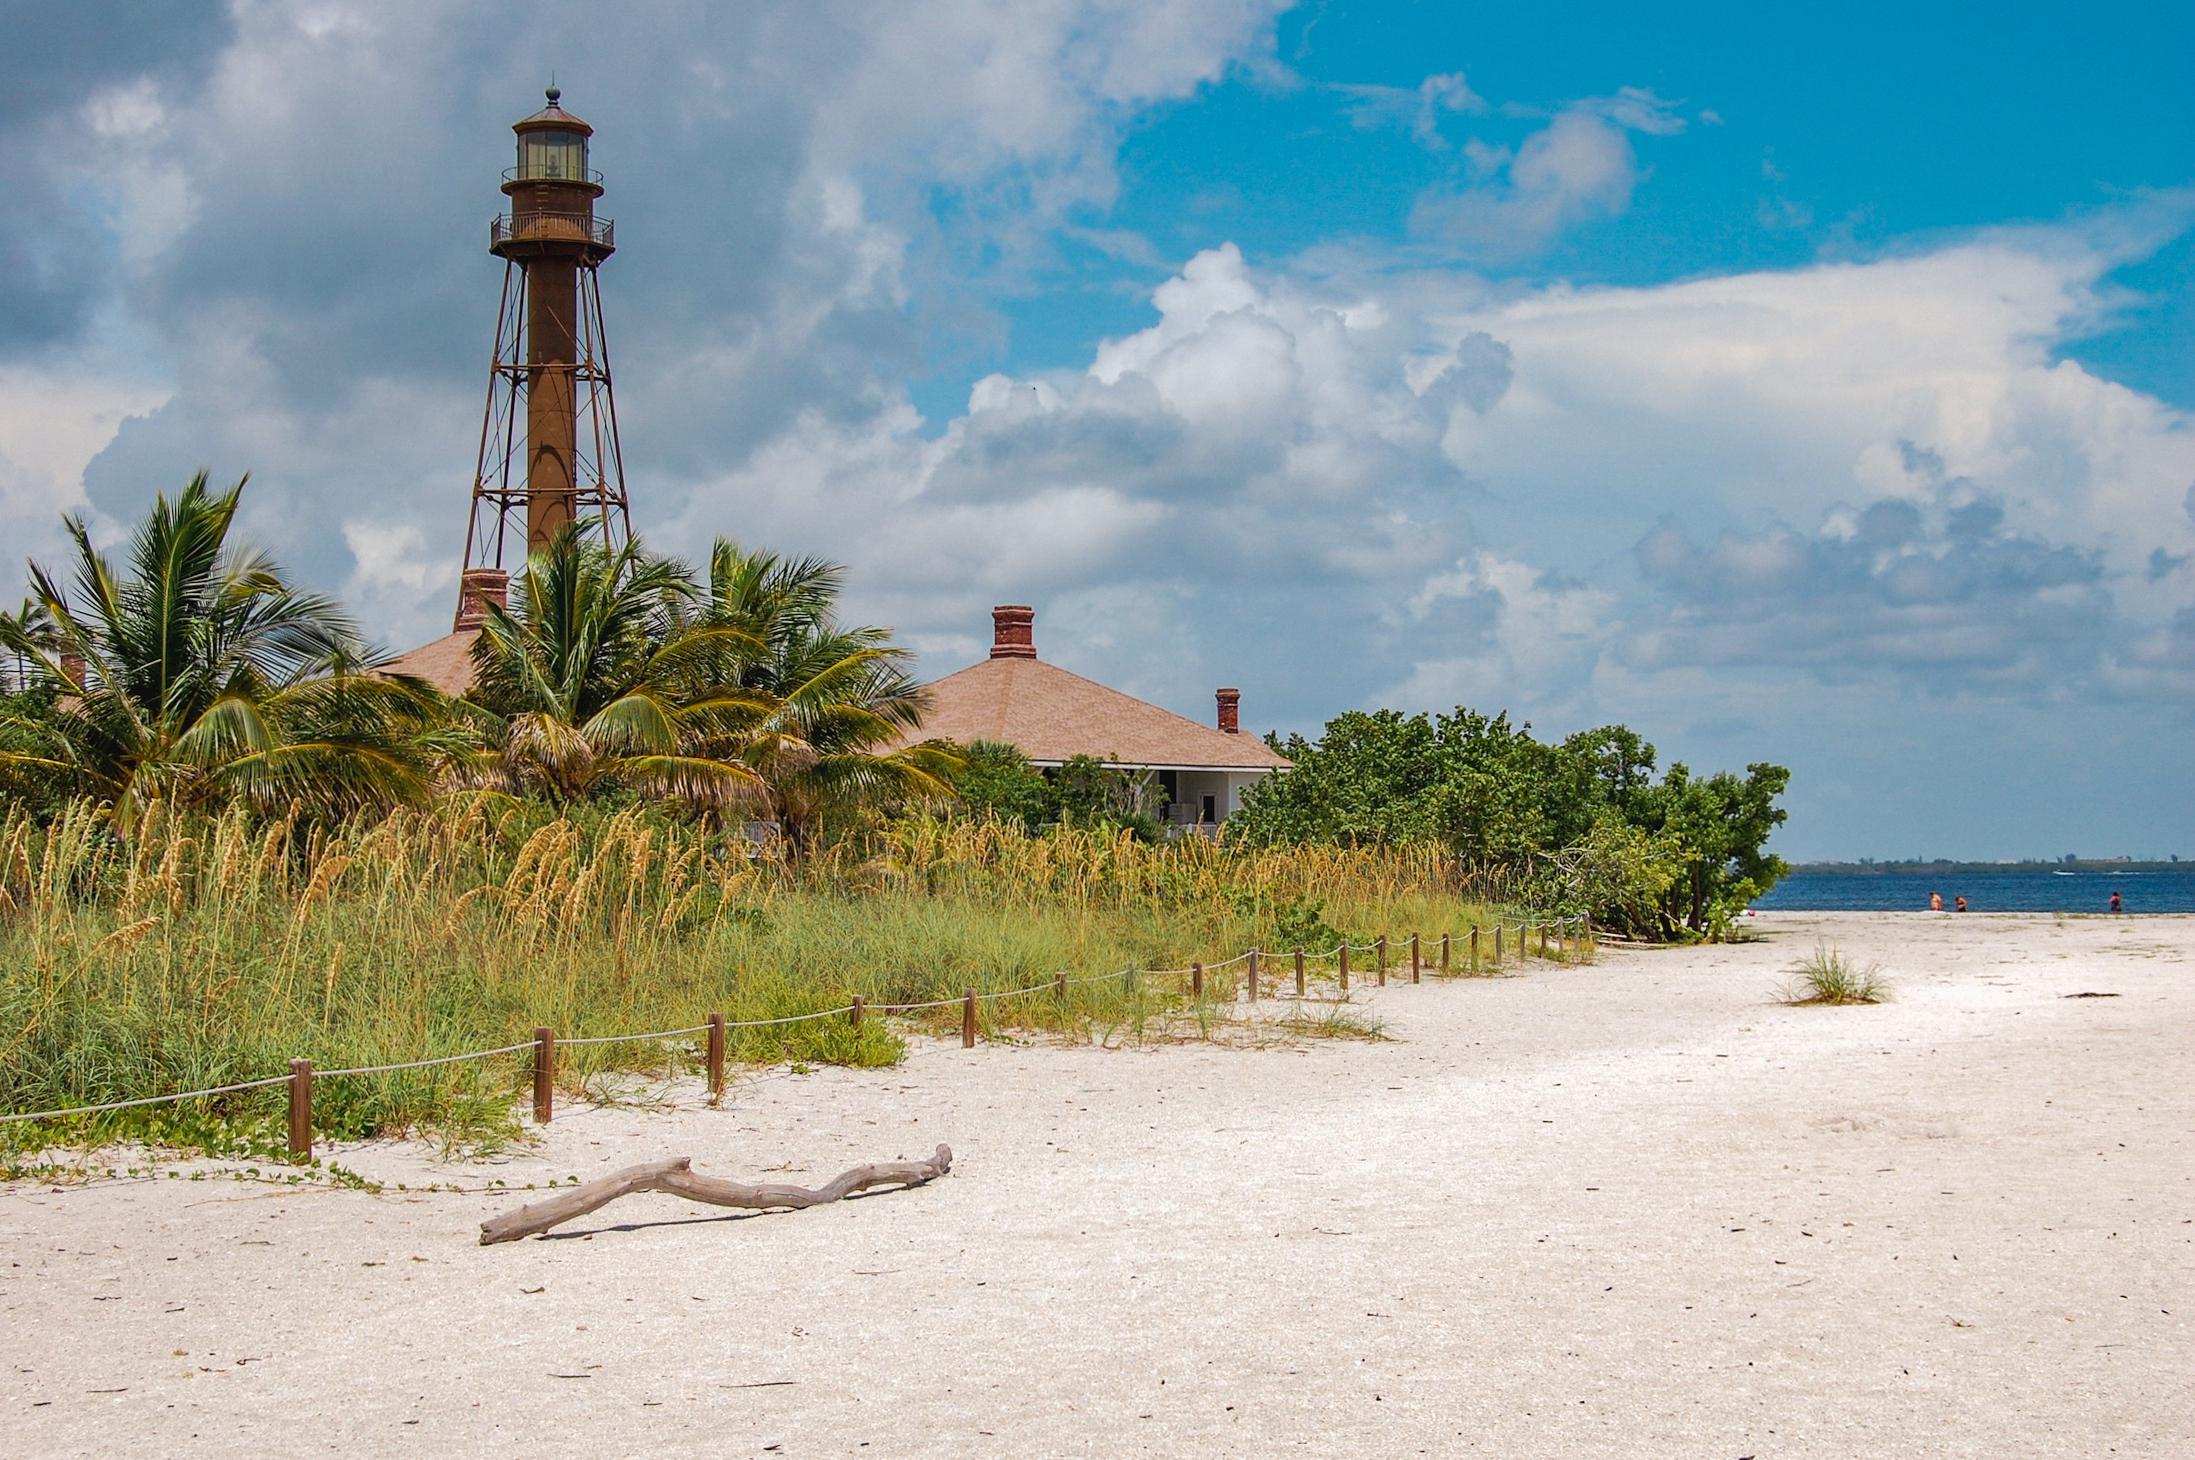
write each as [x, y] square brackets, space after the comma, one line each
[1230, 705]
[492, 585]
[1013, 631]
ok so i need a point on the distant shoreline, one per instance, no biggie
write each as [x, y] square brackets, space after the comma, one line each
[1901, 869]
[1985, 886]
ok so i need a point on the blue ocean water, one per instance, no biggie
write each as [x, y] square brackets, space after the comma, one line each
[2009, 889]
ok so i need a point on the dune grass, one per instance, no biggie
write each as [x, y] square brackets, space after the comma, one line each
[205, 951]
[1829, 977]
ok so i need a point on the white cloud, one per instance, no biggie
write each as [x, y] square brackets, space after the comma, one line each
[1503, 632]
[1418, 108]
[1566, 496]
[53, 421]
[780, 165]
[1779, 396]
[395, 561]
[1579, 167]
[128, 111]
[1333, 479]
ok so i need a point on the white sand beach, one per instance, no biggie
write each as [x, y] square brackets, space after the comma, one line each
[1632, 1209]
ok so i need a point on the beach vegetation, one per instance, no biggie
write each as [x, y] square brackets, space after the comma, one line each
[742, 698]
[998, 780]
[842, 702]
[227, 840]
[1582, 825]
[593, 681]
[1829, 976]
[210, 948]
[194, 673]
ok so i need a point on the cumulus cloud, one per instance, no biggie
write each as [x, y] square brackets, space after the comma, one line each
[1398, 487]
[1738, 399]
[1260, 442]
[1340, 479]
[1950, 597]
[265, 204]
[1580, 166]
[1504, 632]
[55, 417]
[1564, 496]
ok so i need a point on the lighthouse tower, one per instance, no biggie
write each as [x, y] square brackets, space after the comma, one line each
[549, 455]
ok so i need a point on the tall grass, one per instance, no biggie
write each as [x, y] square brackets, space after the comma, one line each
[206, 951]
[1829, 976]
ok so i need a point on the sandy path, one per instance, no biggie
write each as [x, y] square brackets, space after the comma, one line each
[1628, 1210]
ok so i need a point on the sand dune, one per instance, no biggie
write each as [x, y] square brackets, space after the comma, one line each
[1636, 1209]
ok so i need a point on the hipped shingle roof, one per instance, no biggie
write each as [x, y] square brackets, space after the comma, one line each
[447, 663]
[1051, 715]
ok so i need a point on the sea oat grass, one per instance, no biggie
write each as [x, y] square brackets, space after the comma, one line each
[210, 950]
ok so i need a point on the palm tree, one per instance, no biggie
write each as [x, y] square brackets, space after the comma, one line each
[601, 678]
[841, 699]
[202, 674]
[615, 669]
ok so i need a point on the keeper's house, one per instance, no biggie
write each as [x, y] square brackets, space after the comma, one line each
[1051, 715]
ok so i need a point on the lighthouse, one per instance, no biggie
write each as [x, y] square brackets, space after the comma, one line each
[549, 454]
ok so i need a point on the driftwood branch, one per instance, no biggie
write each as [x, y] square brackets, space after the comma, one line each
[674, 1177]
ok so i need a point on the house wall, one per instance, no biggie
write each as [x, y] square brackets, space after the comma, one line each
[1225, 788]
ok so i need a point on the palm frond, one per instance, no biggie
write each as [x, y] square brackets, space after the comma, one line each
[640, 723]
[191, 652]
[697, 780]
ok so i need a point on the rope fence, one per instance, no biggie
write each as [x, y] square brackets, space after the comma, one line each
[545, 1041]
[146, 1100]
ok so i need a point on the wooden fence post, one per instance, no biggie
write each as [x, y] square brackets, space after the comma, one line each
[1253, 975]
[301, 1107]
[861, 1006]
[1444, 953]
[716, 1055]
[1497, 945]
[968, 1020]
[1059, 987]
[1196, 980]
[544, 1074]
[1299, 970]
[1345, 967]
[1543, 940]
[1382, 945]
[1417, 960]
[1474, 947]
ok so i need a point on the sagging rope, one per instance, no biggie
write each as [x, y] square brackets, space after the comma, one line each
[709, 1028]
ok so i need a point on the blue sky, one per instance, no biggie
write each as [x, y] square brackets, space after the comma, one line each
[1904, 124]
[1802, 387]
